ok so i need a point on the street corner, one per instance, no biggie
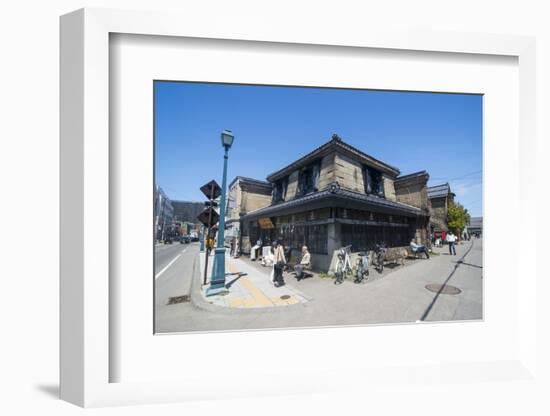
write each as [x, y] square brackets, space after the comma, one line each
[248, 288]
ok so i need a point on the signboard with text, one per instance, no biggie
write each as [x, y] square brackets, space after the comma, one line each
[266, 223]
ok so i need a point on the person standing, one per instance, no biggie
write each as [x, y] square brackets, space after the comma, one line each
[278, 264]
[209, 245]
[451, 239]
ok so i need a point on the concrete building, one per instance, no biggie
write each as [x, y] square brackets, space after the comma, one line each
[439, 197]
[164, 215]
[338, 195]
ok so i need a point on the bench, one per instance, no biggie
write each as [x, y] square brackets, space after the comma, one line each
[396, 255]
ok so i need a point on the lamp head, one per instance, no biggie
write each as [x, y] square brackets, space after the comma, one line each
[227, 138]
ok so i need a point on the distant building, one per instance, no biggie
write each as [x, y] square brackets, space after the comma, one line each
[187, 211]
[440, 197]
[164, 215]
[336, 196]
[475, 226]
[185, 228]
[244, 195]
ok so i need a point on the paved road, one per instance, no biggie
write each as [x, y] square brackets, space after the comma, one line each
[173, 272]
[165, 253]
[400, 296]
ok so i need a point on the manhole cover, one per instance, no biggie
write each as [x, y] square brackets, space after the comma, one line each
[443, 289]
[178, 299]
[285, 297]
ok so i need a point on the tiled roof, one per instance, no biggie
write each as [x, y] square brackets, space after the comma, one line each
[420, 174]
[250, 181]
[334, 194]
[439, 191]
[335, 143]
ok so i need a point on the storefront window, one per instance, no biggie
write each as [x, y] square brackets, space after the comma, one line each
[317, 236]
[365, 237]
[295, 236]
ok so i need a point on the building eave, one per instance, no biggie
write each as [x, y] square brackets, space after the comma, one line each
[243, 180]
[415, 177]
[337, 197]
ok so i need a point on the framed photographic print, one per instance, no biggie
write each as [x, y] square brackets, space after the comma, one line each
[254, 211]
[300, 217]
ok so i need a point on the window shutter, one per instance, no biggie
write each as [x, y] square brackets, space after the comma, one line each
[368, 180]
[316, 173]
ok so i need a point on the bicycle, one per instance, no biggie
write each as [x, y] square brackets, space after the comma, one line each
[362, 267]
[380, 256]
[343, 266]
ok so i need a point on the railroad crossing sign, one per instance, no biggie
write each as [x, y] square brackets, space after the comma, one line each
[208, 217]
[211, 190]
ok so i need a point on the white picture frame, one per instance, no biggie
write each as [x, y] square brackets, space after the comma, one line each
[86, 356]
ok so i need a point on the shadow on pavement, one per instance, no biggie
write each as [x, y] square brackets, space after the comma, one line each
[230, 283]
[469, 264]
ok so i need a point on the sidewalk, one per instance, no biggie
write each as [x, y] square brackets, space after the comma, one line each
[400, 296]
[251, 291]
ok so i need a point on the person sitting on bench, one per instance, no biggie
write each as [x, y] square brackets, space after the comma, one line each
[416, 248]
[305, 263]
[255, 249]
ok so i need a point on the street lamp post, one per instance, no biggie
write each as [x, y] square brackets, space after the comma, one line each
[217, 281]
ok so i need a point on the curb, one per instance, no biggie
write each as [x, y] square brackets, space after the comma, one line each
[198, 301]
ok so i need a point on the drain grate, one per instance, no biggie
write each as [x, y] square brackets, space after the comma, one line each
[285, 297]
[178, 299]
[443, 289]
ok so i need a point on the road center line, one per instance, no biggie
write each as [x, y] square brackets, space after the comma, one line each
[169, 264]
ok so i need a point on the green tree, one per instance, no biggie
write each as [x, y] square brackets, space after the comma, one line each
[457, 217]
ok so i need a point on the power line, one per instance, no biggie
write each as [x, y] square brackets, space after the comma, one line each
[442, 178]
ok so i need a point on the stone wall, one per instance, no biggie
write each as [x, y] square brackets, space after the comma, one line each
[292, 187]
[252, 201]
[235, 196]
[438, 213]
[326, 177]
[348, 173]
[327, 174]
[337, 167]
[389, 188]
[412, 193]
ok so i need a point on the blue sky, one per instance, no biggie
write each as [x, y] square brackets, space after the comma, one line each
[273, 126]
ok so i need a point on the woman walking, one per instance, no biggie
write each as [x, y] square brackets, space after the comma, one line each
[278, 264]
